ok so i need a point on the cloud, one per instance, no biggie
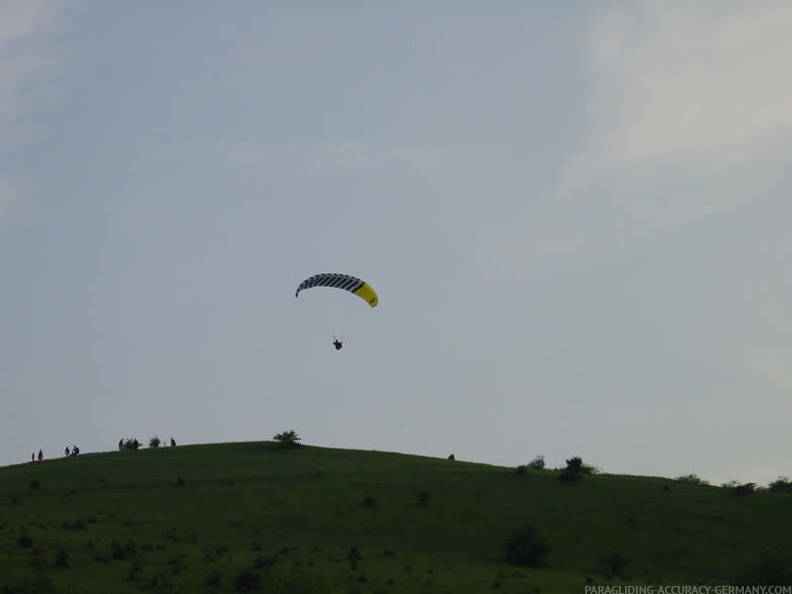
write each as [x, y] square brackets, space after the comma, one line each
[264, 159]
[686, 113]
[671, 80]
[25, 28]
[20, 19]
[360, 155]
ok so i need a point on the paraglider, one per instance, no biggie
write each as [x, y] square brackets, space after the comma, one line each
[346, 282]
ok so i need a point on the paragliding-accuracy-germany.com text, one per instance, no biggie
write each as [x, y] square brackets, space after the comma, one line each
[688, 589]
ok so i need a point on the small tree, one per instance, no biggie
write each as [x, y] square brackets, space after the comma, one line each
[537, 463]
[155, 442]
[781, 485]
[691, 479]
[574, 470]
[743, 489]
[289, 439]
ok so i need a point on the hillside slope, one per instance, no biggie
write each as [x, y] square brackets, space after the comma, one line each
[213, 518]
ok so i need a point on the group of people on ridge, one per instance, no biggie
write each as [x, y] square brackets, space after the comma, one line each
[134, 444]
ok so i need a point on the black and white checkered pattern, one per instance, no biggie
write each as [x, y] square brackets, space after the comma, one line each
[331, 279]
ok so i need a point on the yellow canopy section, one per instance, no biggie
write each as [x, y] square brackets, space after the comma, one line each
[368, 294]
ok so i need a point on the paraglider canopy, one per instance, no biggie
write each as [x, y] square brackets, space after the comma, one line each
[341, 281]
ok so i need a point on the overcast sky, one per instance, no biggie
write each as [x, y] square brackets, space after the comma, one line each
[576, 216]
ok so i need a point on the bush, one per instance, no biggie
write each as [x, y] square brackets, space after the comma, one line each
[575, 470]
[613, 564]
[288, 439]
[354, 557]
[781, 485]
[369, 501]
[62, 559]
[74, 525]
[575, 464]
[155, 442]
[266, 561]
[772, 569]
[739, 488]
[423, 498]
[119, 551]
[691, 479]
[247, 581]
[285, 580]
[537, 463]
[214, 579]
[159, 582]
[569, 476]
[744, 489]
[526, 547]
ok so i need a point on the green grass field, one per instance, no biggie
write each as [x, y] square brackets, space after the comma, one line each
[257, 517]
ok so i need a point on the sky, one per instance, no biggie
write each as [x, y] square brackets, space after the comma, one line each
[576, 216]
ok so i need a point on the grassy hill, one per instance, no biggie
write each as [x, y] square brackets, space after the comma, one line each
[258, 517]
